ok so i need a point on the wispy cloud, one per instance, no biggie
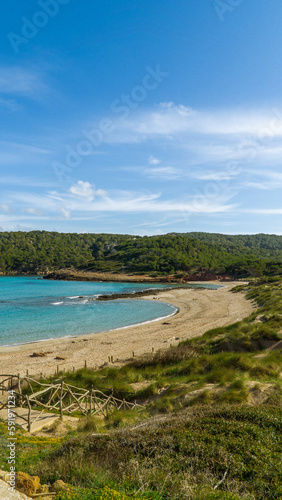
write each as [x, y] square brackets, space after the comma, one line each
[117, 201]
[12, 180]
[32, 211]
[9, 104]
[163, 173]
[170, 120]
[153, 160]
[5, 207]
[18, 81]
[264, 179]
[13, 153]
[215, 176]
[263, 211]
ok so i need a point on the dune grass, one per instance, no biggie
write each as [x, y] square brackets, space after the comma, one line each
[183, 456]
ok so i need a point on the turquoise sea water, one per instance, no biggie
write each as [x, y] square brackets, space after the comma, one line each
[33, 309]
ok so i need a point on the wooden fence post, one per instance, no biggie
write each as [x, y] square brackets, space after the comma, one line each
[91, 392]
[61, 400]
[20, 391]
[29, 414]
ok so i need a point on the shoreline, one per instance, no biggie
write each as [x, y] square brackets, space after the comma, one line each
[198, 311]
[74, 336]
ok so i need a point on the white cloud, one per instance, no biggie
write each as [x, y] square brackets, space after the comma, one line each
[153, 160]
[5, 207]
[179, 122]
[83, 190]
[32, 211]
[65, 213]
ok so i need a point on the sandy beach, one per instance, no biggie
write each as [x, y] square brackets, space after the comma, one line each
[199, 311]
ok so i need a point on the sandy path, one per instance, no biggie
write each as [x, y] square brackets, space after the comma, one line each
[199, 310]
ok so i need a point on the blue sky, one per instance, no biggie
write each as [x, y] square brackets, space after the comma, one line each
[141, 117]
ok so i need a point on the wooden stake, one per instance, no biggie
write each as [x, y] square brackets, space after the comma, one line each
[19, 390]
[91, 392]
[29, 414]
[61, 400]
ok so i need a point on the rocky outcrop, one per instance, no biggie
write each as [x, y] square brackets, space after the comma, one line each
[26, 487]
[58, 486]
[6, 493]
[74, 275]
[27, 484]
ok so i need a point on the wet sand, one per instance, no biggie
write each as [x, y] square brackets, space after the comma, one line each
[199, 311]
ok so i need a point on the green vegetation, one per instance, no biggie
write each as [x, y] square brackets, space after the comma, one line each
[39, 251]
[209, 426]
[42, 251]
[184, 456]
[259, 331]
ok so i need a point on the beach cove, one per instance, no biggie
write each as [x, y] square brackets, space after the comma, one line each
[198, 311]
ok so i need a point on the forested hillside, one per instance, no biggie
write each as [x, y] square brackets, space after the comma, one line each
[42, 251]
[267, 245]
